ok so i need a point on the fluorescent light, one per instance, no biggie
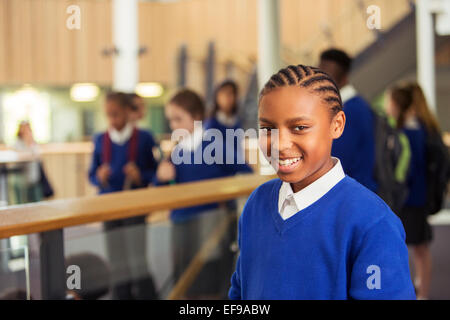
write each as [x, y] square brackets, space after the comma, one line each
[149, 89]
[83, 92]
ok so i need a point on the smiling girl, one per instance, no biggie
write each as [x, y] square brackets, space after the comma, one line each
[314, 233]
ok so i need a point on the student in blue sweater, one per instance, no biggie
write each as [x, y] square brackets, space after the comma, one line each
[314, 233]
[407, 105]
[225, 107]
[356, 147]
[192, 225]
[225, 117]
[123, 160]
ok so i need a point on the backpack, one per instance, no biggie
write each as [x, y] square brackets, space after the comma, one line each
[392, 158]
[437, 171]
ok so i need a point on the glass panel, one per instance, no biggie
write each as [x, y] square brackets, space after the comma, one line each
[14, 272]
[154, 257]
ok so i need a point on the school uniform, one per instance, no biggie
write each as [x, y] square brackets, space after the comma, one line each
[117, 149]
[126, 238]
[413, 214]
[191, 226]
[334, 239]
[356, 146]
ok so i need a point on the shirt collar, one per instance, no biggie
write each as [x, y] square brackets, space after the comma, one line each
[122, 136]
[226, 120]
[314, 191]
[412, 123]
[347, 92]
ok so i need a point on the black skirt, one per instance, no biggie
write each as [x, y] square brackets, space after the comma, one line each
[417, 229]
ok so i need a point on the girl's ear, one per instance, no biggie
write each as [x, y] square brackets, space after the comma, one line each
[337, 125]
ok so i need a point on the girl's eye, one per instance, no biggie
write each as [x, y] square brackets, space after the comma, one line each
[300, 128]
[266, 129]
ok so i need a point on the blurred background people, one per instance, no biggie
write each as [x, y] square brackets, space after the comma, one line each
[193, 225]
[32, 179]
[356, 147]
[407, 105]
[225, 116]
[123, 160]
[138, 108]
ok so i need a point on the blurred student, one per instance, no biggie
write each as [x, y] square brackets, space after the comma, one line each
[138, 109]
[407, 104]
[36, 185]
[123, 160]
[356, 147]
[225, 107]
[225, 116]
[192, 225]
[314, 233]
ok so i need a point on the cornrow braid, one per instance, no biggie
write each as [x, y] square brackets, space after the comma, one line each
[307, 77]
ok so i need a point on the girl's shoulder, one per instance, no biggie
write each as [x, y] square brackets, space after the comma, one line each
[263, 192]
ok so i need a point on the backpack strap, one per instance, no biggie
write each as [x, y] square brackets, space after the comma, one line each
[106, 154]
[133, 146]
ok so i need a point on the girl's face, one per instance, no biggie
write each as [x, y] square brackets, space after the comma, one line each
[179, 118]
[226, 99]
[305, 131]
[117, 115]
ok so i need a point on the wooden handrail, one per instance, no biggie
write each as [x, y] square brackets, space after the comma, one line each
[58, 214]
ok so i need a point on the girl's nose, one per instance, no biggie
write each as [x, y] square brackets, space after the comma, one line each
[282, 140]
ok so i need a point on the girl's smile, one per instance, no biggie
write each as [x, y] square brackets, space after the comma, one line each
[289, 164]
[300, 147]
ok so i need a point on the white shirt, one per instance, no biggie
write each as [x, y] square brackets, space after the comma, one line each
[122, 136]
[412, 123]
[228, 121]
[289, 203]
[347, 92]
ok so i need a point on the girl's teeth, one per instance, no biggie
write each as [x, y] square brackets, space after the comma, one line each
[288, 162]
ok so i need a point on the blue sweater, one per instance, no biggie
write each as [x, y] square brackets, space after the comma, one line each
[119, 158]
[356, 147]
[417, 178]
[190, 172]
[329, 250]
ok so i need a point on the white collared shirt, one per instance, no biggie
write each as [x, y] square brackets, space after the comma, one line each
[226, 120]
[412, 123]
[347, 92]
[122, 136]
[289, 203]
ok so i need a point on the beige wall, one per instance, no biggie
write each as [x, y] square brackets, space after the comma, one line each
[36, 46]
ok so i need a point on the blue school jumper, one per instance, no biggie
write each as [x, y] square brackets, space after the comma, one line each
[356, 147]
[417, 179]
[346, 245]
[119, 158]
[190, 172]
